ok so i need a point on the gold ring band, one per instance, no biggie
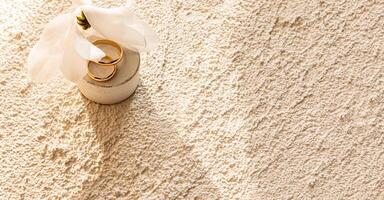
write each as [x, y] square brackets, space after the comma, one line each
[112, 63]
[101, 79]
[114, 44]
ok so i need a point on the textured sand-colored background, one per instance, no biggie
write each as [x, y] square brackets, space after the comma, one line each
[254, 99]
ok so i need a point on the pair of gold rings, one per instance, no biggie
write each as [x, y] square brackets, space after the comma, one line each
[106, 62]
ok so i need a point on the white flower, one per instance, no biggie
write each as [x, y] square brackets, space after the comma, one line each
[63, 47]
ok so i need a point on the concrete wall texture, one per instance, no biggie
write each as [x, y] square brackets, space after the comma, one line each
[244, 99]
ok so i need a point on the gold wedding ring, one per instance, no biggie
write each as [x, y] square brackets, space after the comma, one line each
[102, 78]
[111, 62]
[114, 61]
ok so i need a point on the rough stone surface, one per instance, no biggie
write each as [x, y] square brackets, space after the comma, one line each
[242, 100]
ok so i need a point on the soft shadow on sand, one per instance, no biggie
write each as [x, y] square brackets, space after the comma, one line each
[142, 156]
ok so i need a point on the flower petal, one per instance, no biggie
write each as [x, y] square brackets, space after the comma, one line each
[74, 67]
[151, 38]
[45, 58]
[86, 49]
[76, 3]
[120, 25]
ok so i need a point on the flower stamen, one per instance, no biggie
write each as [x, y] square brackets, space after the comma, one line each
[82, 21]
